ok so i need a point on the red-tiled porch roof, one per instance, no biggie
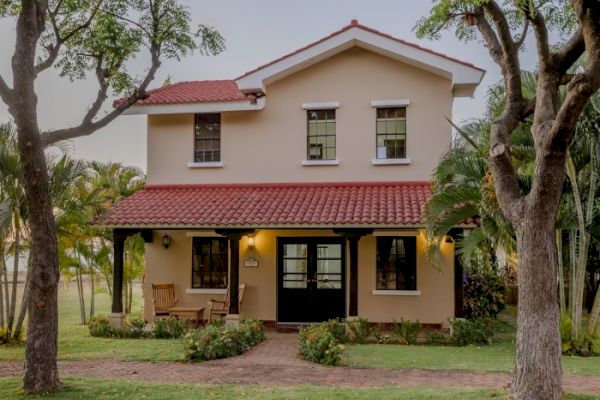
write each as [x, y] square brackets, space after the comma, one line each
[373, 204]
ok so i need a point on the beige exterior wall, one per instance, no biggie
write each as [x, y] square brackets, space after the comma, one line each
[434, 305]
[269, 145]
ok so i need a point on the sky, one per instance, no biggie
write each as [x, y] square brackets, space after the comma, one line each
[256, 32]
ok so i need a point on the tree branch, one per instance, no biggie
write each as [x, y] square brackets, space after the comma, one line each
[570, 52]
[87, 125]
[519, 42]
[54, 49]
[541, 35]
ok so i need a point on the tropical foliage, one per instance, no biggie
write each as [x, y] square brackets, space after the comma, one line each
[80, 191]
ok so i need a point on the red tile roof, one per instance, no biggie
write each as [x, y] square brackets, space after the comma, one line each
[227, 90]
[355, 24]
[370, 204]
[194, 92]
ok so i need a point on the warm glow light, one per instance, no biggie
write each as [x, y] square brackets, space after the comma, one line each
[251, 242]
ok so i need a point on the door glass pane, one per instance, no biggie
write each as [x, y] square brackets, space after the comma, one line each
[329, 266]
[294, 266]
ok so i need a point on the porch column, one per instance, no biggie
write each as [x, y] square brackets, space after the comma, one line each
[459, 307]
[234, 275]
[353, 306]
[353, 237]
[119, 237]
[234, 236]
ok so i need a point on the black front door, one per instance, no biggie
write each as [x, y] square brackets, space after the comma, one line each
[310, 279]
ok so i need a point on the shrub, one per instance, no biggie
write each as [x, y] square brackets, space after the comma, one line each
[99, 326]
[316, 343]
[472, 332]
[218, 341]
[338, 329]
[134, 327]
[434, 338]
[484, 294]
[407, 331]
[360, 330]
[170, 328]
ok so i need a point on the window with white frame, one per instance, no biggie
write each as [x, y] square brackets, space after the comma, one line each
[320, 135]
[207, 138]
[391, 133]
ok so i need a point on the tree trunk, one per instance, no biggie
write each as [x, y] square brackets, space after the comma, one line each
[572, 275]
[93, 292]
[13, 295]
[41, 372]
[5, 279]
[538, 372]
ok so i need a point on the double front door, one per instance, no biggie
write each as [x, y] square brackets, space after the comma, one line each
[310, 279]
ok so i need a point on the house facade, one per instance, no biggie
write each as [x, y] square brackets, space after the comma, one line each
[304, 179]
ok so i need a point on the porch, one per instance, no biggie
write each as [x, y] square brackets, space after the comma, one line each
[298, 264]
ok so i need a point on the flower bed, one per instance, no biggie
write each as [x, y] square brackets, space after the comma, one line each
[219, 341]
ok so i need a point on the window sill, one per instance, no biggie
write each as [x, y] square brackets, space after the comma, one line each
[391, 161]
[311, 163]
[396, 292]
[205, 291]
[217, 164]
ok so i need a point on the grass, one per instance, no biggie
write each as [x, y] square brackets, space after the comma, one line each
[498, 357]
[85, 388]
[75, 342]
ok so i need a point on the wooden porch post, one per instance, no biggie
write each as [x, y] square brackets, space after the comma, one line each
[234, 275]
[353, 237]
[234, 236]
[459, 307]
[119, 237]
[353, 306]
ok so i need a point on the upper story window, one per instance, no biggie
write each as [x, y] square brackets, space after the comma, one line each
[397, 263]
[209, 263]
[207, 138]
[321, 135]
[391, 133]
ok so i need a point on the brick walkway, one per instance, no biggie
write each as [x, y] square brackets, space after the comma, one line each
[274, 362]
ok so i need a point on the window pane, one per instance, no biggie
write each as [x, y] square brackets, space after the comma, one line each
[209, 263]
[321, 134]
[207, 142]
[396, 263]
[390, 123]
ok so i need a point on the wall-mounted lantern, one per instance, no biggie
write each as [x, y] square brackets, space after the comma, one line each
[251, 242]
[166, 241]
[448, 239]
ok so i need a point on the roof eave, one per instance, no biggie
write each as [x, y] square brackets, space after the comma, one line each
[187, 108]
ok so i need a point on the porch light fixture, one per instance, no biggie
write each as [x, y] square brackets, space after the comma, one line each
[251, 241]
[166, 241]
[448, 239]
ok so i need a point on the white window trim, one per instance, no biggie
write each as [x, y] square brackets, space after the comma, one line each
[390, 103]
[213, 164]
[321, 106]
[396, 292]
[205, 291]
[391, 161]
[312, 163]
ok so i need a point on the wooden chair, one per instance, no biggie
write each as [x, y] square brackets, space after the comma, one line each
[163, 298]
[221, 307]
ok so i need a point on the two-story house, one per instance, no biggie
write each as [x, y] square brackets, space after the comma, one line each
[305, 180]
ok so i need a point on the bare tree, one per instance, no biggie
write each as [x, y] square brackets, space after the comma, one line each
[503, 27]
[78, 37]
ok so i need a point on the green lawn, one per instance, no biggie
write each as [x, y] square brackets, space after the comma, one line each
[75, 343]
[78, 388]
[498, 357]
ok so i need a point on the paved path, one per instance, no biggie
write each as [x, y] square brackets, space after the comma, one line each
[274, 362]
